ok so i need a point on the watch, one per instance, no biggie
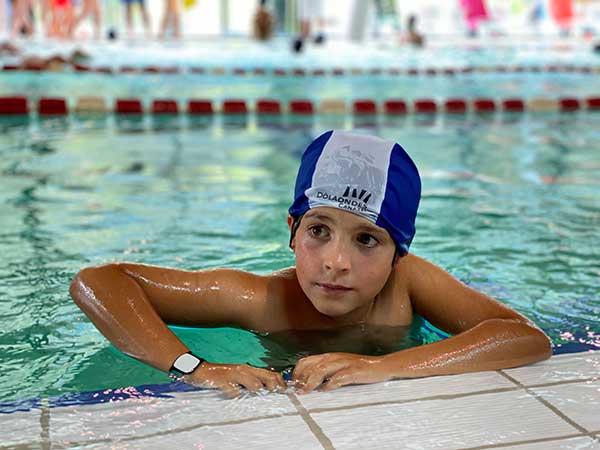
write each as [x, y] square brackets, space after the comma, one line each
[185, 364]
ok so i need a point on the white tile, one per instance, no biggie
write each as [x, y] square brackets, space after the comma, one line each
[575, 366]
[580, 443]
[20, 427]
[263, 434]
[407, 389]
[147, 415]
[486, 419]
[579, 401]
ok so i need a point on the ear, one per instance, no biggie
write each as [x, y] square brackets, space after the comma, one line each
[290, 222]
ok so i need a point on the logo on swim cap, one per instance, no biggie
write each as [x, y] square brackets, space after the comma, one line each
[366, 175]
[344, 200]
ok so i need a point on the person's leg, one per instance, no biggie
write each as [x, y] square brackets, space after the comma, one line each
[83, 13]
[69, 21]
[145, 18]
[21, 22]
[95, 12]
[175, 18]
[129, 18]
[164, 23]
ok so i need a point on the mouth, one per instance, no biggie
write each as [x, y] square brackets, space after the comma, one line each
[333, 288]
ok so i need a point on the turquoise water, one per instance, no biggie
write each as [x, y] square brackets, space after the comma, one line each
[510, 206]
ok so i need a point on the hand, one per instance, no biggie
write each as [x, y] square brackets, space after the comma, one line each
[333, 370]
[230, 378]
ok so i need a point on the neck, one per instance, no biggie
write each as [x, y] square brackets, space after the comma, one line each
[359, 316]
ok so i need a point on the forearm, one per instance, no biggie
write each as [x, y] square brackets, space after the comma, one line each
[119, 308]
[491, 345]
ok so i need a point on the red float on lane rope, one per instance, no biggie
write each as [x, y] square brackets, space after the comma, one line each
[364, 107]
[13, 105]
[301, 107]
[513, 105]
[128, 106]
[265, 106]
[165, 107]
[484, 105]
[592, 103]
[395, 107]
[234, 107]
[569, 104]
[455, 105]
[425, 105]
[200, 107]
[52, 106]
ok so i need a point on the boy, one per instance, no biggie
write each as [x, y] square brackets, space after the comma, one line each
[351, 223]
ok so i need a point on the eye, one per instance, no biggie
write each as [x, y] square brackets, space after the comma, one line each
[367, 240]
[318, 231]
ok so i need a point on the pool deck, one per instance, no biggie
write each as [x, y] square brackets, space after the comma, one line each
[551, 405]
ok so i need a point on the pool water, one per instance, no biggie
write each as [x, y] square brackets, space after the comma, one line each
[249, 55]
[510, 206]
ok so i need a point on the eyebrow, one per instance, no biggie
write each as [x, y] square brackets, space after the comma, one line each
[368, 228]
[319, 216]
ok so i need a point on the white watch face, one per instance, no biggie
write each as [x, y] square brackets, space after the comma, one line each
[186, 363]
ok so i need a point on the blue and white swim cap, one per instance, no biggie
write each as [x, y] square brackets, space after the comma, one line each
[365, 175]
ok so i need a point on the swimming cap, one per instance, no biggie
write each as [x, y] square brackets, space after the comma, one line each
[365, 175]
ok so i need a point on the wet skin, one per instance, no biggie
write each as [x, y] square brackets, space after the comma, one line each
[344, 279]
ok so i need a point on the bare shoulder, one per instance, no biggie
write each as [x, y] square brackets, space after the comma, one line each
[447, 302]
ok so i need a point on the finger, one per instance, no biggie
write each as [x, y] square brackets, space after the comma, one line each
[303, 364]
[316, 374]
[314, 379]
[341, 378]
[250, 382]
[272, 380]
[230, 390]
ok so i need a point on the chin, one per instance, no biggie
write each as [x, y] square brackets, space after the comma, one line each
[330, 308]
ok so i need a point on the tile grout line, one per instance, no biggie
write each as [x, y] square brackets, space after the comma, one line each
[312, 425]
[45, 423]
[413, 400]
[547, 404]
[185, 429]
[528, 441]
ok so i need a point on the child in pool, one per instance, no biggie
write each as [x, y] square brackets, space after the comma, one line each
[351, 224]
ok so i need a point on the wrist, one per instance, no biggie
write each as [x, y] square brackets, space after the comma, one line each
[393, 365]
[185, 364]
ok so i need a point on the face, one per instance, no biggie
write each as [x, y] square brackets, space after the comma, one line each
[342, 262]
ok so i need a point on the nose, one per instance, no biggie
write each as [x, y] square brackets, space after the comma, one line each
[336, 257]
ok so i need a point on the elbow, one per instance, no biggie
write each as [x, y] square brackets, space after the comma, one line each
[540, 340]
[544, 344]
[81, 287]
[528, 342]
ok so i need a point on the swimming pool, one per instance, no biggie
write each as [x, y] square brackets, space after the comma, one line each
[510, 206]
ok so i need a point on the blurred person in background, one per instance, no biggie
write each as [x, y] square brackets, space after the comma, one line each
[385, 12]
[62, 19]
[562, 13]
[474, 12]
[22, 21]
[311, 19]
[171, 20]
[129, 16]
[89, 8]
[412, 36]
[263, 22]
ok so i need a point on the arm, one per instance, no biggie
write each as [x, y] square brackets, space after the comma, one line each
[487, 336]
[131, 305]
